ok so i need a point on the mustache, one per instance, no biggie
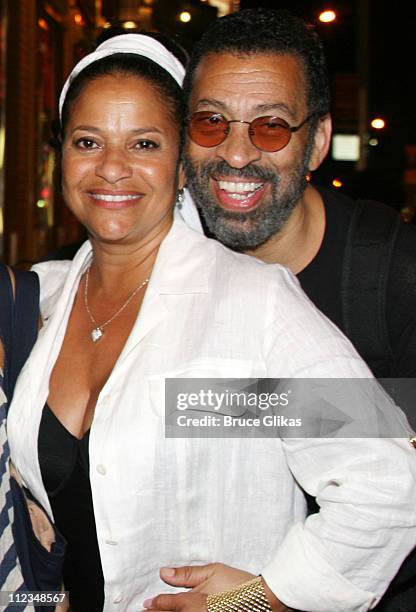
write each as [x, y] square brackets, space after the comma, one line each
[221, 167]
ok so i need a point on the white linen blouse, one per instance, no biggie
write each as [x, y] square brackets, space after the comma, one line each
[209, 312]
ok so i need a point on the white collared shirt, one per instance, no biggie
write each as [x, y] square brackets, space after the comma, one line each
[209, 312]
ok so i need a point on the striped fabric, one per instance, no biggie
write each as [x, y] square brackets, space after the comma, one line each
[10, 574]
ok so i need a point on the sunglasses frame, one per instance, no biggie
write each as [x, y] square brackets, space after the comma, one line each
[290, 128]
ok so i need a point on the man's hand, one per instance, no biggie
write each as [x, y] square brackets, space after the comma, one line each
[180, 602]
[211, 578]
[203, 580]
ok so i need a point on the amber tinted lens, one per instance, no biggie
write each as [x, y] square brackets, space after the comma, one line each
[208, 129]
[269, 133]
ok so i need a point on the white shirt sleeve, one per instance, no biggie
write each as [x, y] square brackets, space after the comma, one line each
[344, 557]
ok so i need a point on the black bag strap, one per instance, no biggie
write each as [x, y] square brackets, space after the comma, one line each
[19, 319]
[371, 238]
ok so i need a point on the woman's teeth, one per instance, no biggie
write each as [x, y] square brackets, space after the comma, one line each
[113, 198]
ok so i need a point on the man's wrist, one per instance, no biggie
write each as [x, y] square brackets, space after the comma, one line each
[251, 596]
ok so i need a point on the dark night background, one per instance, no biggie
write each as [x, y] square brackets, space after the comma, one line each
[41, 40]
[391, 92]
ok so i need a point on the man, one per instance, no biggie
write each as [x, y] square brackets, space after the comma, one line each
[250, 178]
[259, 124]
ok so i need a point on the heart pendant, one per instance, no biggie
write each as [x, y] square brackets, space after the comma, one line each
[96, 334]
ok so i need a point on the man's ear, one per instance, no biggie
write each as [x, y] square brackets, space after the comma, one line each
[322, 142]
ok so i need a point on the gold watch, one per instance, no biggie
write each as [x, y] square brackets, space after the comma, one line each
[247, 597]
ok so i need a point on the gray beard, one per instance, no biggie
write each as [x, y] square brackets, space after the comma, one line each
[242, 231]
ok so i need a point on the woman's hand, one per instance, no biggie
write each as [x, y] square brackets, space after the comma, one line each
[203, 580]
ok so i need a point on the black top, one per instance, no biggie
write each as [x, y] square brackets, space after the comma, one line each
[321, 281]
[64, 465]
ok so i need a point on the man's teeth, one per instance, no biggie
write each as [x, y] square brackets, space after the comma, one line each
[239, 191]
[113, 198]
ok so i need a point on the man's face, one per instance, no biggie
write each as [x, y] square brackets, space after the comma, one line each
[246, 194]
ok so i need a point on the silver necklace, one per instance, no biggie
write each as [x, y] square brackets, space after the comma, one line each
[97, 331]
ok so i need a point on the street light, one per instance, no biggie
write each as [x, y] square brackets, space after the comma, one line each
[129, 25]
[327, 16]
[79, 19]
[185, 17]
[378, 123]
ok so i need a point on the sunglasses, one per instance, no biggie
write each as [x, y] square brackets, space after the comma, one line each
[271, 134]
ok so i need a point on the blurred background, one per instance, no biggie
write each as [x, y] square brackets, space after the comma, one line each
[371, 53]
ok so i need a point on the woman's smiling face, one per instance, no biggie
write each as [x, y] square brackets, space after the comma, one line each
[120, 159]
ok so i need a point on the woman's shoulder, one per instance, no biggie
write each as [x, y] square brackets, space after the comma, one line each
[235, 272]
[251, 272]
[53, 274]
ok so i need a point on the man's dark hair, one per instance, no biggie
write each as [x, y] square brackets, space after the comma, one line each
[265, 31]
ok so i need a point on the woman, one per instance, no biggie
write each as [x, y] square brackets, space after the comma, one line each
[146, 299]
[31, 551]
[13, 353]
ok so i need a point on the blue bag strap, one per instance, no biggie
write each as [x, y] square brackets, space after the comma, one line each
[26, 314]
[19, 317]
[6, 322]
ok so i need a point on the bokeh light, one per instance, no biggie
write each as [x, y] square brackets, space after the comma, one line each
[327, 16]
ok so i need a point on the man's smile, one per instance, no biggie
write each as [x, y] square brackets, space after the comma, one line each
[238, 194]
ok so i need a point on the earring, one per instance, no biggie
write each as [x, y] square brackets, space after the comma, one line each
[179, 199]
[308, 177]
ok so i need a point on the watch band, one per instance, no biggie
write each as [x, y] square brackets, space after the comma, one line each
[247, 597]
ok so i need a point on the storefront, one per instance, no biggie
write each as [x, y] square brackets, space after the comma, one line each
[39, 43]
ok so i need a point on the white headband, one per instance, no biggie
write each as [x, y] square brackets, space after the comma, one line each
[146, 46]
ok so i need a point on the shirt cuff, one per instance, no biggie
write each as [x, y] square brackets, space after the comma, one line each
[301, 579]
